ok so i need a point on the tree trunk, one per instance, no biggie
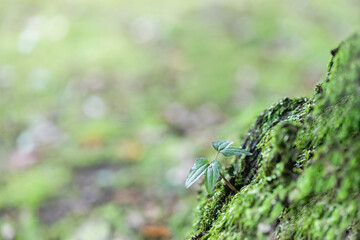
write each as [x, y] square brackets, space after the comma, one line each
[303, 179]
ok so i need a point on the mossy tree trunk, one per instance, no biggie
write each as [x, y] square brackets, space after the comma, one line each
[303, 179]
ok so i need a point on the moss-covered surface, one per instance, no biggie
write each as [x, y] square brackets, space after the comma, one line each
[303, 179]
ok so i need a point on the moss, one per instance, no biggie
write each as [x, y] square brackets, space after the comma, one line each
[302, 180]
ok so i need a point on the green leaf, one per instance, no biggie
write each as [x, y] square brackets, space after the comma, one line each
[212, 175]
[199, 167]
[221, 145]
[234, 152]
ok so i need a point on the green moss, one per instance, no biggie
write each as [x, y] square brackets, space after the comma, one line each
[302, 180]
[210, 207]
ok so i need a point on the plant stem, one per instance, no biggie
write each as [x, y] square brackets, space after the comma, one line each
[217, 154]
[223, 177]
[228, 183]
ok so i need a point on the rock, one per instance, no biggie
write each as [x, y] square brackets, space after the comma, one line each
[303, 179]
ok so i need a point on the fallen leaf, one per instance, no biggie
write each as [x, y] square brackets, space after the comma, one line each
[156, 231]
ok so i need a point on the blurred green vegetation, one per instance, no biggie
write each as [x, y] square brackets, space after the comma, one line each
[104, 105]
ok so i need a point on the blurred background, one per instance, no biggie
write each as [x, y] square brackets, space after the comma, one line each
[105, 105]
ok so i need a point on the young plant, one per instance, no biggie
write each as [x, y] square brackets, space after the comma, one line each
[212, 170]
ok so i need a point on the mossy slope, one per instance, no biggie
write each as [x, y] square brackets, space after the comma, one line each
[303, 179]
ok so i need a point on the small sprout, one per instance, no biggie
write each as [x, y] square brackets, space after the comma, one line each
[212, 170]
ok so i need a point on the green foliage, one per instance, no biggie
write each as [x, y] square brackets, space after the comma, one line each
[212, 169]
[33, 186]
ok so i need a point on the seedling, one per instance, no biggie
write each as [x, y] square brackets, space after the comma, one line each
[212, 170]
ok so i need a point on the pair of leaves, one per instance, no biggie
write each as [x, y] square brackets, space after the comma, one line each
[223, 147]
[211, 171]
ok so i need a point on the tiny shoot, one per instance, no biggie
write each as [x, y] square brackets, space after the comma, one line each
[212, 170]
